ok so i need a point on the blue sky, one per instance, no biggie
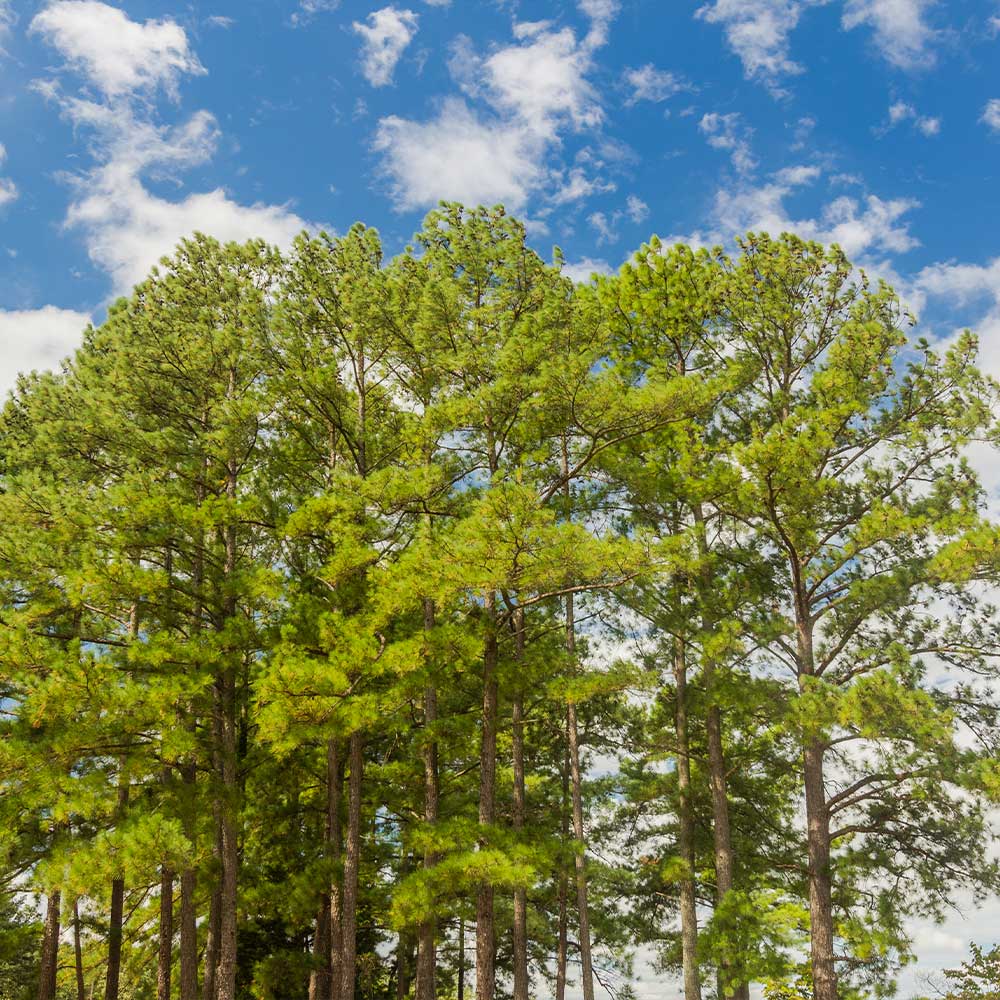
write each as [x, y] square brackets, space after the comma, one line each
[872, 123]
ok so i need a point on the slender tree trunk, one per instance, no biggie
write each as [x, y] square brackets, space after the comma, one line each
[319, 977]
[210, 987]
[334, 793]
[189, 937]
[520, 954]
[352, 865]
[404, 964]
[824, 969]
[50, 949]
[485, 937]
[717, 774]
[165, 949]
[576, 784]
[461, 958]
[228, 802]
[81, 989]
[689, 914]
[426, 947]
[115, 929]
[562, 941]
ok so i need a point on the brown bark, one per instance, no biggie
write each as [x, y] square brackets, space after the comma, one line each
[352, 864]
[717, 773]
[117, 914]
[485, 935]
[576, 785]
[520, 942]
[50, 949]
[821, 939]
[81, 989]
[689, 914]
[319, 977]
[334, 793]
[426, 934]
[562, 939]
[164, 954]
[189, 938]
[461, 958]
[210, 986]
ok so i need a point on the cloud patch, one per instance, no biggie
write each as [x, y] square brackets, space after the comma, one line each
[37, 339]
[383, 40]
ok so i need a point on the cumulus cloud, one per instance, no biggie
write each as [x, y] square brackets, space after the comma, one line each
[866, 227]
[383, 40]
[636, 209]
[308, 9]
[647, 83]
[126, 228]
[991, 114]
[758, 33]
[583, 270]
[900, 112]
[8, 189]
[458, 156]
[728, 132]
[495, 143]
[117, 55]
[37, 339]
[901, 32]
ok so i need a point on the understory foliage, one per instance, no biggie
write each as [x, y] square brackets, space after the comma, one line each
[437, 626]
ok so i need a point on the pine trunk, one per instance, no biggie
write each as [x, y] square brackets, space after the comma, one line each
[520, 942]
[164, 955]
[352, 865]
[426, 934]
[189, 938]
[50, 949]
[485, 936]
[576, 785]
[334, 793]
[562, 939]
[319, 977]
[117, 914]
[689, 914]
[210, 991]
[81, 989]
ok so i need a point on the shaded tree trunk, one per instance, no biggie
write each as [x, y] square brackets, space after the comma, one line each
[210, 991]
[189, 937]
[576, 785]
[520, 942]
[461, 958]
[562, 939]
[352, 865]
[334, 793]
[485, 936]
[117, 914]
[164, 955]
[689, 914]
[50, 948]
[319, 977]
[426, 946]
[81, 989]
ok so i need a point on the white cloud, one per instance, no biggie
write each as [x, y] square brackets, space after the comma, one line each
[991, 114]
[8, 189]
[636, 209]
[758, 32]
[604, 227]
[457, 156]
[583, 270]
[542, 82]
[648, 83]
[118, 55]
[308, 9]
[384, 38]
[577, 185]
[728, 132]
[438, 3]
[37, 339]
[498, 149]
[862, 226]
[126, 228]
[6, 20]
[601, 14]
[901, 33]
[900, 112]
